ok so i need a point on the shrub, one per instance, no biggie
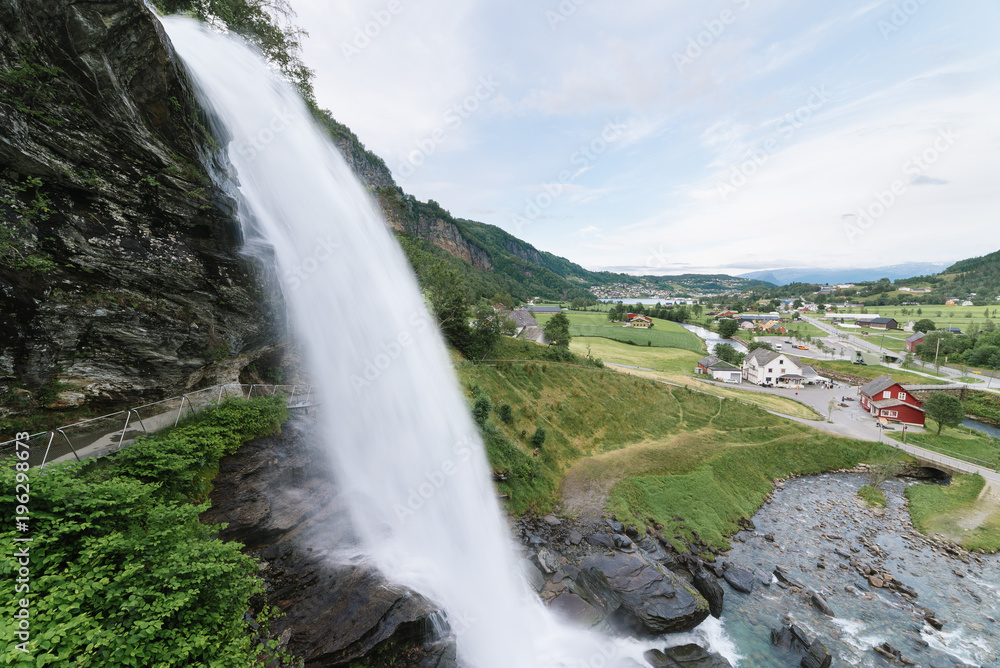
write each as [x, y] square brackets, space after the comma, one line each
[123, 573]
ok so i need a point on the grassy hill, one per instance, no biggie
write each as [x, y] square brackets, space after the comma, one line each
[663, 334]
[629, 436]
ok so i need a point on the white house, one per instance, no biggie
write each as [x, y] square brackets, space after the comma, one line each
[771, 368]
[719, 370]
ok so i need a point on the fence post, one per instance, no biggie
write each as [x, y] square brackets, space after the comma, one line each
[128, 416]
[139, 418]
[180, 409]
[70, 444]
[219, 400]
[45, 457]
[250, 392]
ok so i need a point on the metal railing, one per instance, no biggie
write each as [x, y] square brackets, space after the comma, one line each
[945, 456]
[106, 434]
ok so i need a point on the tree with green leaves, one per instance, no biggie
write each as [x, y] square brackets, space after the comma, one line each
[924, 325]
[488, 325]
[944, 409]
[728, 327]
[727, 353]
[557, 330]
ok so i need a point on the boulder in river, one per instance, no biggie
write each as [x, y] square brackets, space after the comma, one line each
[652, 599]
[685, 656]
[739, 579]
[713, 592]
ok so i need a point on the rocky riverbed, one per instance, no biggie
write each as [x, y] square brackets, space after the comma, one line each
[816, 578]
[861, 579]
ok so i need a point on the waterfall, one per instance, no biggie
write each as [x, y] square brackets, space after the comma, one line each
[407, 453]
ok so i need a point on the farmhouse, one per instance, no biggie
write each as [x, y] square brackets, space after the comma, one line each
[886, 399]
[774, 369]
[718, 369]
[638, 320]
[914, 340]
[880, 323]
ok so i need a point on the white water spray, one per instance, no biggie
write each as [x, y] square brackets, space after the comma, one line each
[407, 453]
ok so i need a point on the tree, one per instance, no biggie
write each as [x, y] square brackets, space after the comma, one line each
[727, 353]
[728, 327]
[488, 325]
[557, 330]
[537, 439]
[754, 345]
[944, 409]
[925, 325]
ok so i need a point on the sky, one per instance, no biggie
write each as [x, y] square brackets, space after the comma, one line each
[667, 137]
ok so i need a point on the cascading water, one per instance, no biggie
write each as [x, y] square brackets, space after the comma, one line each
[406, 451]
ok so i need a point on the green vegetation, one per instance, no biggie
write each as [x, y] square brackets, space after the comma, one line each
[873, 496]
[663, 334]
[712, 493]
[971, 445]
[942, 511]
[123, 573]
[862, 373]
[557, 330]
[983, 405]
[944, 409]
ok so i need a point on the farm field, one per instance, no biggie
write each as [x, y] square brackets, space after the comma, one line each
[677, 366]
[963, 317]
[663, 334]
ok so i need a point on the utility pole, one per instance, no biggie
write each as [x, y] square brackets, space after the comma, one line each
[937, 349]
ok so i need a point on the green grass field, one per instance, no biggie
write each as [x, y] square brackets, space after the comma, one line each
[677, 366]
[864, 372]
[963, 443]
[711, 493]
[664, 333]
[950, 511]
[963, 317]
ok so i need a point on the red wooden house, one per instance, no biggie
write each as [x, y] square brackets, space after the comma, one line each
[886, 399]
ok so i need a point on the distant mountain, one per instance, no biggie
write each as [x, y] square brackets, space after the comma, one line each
[847, 274]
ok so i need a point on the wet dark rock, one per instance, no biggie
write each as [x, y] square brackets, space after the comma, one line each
[652, 599]
[739, 579]
[711, 590]
[632, 532]
[148, 295]
[572, 607]
[531, 573]
[816, 656]
[784, 577]
[685, 655]
[333, 614]
[819, 602]
[621, 541]
[615, 525]
[575, 537]
[548, 561]
[600, 540]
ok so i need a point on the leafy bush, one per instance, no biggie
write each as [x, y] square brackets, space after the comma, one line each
[123, 573]
[506, 414]
[481, 410]
[538, 438]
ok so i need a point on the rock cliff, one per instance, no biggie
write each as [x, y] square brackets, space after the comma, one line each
[120, 273]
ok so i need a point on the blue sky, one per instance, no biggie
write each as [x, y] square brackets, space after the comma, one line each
[728, 135]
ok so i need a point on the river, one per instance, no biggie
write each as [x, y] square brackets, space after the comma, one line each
[712, 339]
[819, 527]
[982, 426]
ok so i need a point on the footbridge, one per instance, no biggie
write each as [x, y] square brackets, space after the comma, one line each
[953, 465]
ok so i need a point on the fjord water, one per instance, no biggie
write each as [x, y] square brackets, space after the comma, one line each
[398, 429]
